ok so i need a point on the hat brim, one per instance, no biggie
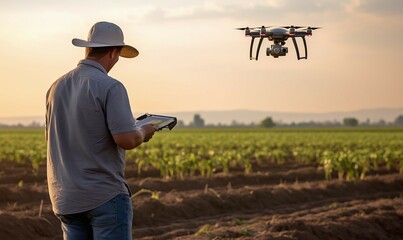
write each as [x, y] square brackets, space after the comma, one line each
[126, 52]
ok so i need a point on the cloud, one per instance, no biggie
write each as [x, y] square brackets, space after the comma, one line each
[384, 7]
[250, 11]
[269, 10]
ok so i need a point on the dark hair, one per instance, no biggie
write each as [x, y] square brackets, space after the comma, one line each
[99, 52]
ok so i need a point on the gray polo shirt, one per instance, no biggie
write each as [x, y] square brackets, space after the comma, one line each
[85, 167]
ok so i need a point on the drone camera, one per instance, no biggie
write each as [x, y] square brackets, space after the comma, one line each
[276, 51]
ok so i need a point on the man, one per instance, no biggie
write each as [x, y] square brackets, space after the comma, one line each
[89, 125]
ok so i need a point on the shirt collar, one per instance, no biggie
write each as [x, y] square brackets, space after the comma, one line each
[92, 64]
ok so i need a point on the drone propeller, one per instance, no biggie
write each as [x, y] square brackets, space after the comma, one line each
[287, 27]
[242, 28]
[260, 27]
[311, 28]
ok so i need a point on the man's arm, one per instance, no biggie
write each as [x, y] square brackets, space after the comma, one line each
[130, 140]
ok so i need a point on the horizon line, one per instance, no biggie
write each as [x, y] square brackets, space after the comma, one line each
[241, 109]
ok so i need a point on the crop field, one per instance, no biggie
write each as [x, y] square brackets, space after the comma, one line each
[230, 184]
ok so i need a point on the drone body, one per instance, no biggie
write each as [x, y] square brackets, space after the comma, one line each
[279, 36]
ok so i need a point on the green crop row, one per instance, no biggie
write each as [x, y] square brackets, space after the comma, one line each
[23, 146]
[348, 154]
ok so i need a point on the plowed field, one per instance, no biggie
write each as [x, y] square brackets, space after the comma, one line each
[275, 202]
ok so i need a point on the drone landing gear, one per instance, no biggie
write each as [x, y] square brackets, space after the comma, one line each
[297, 49]
[251, 48]
[258, 48]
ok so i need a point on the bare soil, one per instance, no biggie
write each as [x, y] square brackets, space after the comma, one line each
[275, 202]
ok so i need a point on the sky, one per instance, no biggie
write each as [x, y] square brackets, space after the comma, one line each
[192, 59]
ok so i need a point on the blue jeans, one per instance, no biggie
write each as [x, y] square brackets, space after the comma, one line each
[111, 220]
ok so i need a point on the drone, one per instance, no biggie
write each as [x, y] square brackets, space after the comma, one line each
[279, 36]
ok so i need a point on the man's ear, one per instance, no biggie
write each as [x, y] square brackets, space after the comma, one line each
[112, 53]
[115, 52]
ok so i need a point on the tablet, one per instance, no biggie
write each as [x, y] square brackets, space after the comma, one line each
[159, 121]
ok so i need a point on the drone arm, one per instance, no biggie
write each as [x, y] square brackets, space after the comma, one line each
[258, 47]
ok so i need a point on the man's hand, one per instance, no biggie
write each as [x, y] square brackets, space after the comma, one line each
[133, 139]
[148, 131]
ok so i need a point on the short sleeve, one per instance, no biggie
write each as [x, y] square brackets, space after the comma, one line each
[118, 112]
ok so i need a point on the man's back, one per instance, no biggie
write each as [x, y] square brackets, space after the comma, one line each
[85, 108]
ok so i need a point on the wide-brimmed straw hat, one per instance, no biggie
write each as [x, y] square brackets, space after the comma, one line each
[106, 34]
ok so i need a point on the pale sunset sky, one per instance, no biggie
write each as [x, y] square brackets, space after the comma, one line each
[192, 59]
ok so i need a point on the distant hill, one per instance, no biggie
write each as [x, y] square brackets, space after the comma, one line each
[249, 116]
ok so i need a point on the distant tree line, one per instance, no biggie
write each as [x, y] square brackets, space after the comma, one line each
[19, 125]
[269, 122]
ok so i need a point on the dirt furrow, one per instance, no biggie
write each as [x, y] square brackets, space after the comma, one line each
[281, 199]
[358, 219]
[283, 202]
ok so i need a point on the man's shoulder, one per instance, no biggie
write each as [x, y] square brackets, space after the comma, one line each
[89, 74]
[91, 77]
[107, 83]
[95, 75]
